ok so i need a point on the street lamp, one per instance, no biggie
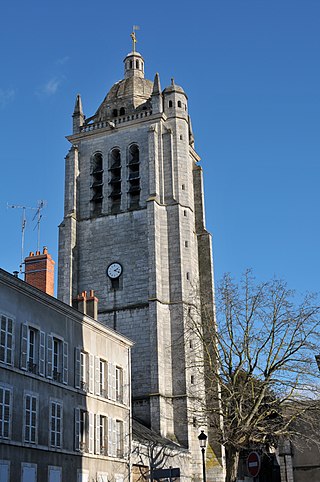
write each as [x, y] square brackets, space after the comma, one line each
[203, 443]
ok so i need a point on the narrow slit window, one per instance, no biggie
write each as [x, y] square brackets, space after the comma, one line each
[170, 103]
[179, 103]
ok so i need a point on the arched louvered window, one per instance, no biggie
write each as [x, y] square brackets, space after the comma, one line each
[115, 180]
[96, 183]
[134, 177]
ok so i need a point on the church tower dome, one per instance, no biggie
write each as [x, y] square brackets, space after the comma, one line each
[133, 65]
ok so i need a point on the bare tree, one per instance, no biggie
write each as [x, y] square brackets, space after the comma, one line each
[259, 366]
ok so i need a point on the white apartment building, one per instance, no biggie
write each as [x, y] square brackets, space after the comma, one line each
[64, 390]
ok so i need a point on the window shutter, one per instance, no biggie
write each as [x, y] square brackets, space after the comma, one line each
[65, 362]
[126, 439]
[10, 341]
[42, 351]
[125, 380]
[77, 429]
[97, 433]
[91, 373]
[112, 380]
[24, 346]
[91, 433]
[97, 376]
[4, 471]
[114, 437]
[77, 368]
[49, 355]
[110, 422]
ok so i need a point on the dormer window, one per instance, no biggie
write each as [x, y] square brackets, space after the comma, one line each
[97, 183]
[134, 177]
[115, 180]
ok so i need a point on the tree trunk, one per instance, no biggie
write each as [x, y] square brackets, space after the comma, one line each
[232, 463]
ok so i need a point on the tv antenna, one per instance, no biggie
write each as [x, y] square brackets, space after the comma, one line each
[38, 215]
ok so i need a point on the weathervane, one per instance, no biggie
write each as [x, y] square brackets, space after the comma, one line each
[133, 36]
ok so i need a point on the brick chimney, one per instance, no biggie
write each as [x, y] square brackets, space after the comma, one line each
[87, 304]
[39, 271]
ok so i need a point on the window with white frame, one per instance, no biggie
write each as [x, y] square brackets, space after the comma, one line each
[30, 418]
[4, 470]
[55, 432]
[82, 475]
[28, 472]
[119, 438]
[83, 435]
[6, 340]
[57, 359]
[84, 371]
[102, 477]
[102, 434]
[54, 474]
[119, 384]
[84, 430]
[32, 356]
[102, 377]
[5, 411]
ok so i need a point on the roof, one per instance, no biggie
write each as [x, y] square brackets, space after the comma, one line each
[144, 435]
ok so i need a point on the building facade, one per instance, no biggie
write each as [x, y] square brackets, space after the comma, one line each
[64, 391]
[134, 231]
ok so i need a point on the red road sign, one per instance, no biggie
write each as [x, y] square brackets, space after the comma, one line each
[253, 464]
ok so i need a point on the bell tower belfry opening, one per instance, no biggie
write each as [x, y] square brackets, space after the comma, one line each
[134, 232]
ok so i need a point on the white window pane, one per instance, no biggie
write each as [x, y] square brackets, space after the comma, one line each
[28, 474]
[102, 477]
[83, 477]
[4, 472]
[54, 474]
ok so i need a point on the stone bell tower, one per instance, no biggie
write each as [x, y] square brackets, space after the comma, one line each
[134, 232]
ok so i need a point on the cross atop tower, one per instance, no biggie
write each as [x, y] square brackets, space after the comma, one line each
[133, 36]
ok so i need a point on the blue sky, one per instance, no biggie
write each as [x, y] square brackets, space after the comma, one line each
[251, 70]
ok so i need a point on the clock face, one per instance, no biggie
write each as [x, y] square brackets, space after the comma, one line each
[114, 270]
